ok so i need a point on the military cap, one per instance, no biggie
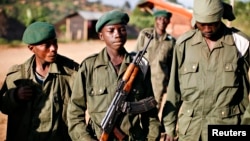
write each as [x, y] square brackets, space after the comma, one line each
[162, 13]
[111, 17]
[38, 32]
[208, 11]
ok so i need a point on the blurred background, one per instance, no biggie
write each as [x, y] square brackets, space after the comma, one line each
[75, 19]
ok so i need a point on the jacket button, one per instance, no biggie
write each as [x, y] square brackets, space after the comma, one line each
[223, 113]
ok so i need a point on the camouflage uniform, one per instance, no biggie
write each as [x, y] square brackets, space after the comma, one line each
[43, 118]
[94, 89]
[208, 87]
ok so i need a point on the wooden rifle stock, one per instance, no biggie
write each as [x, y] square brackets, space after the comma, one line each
[118, 134]
[124, 87]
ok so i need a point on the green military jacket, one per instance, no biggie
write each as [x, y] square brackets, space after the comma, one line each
[94, 89]
[43, 118]
[207, 87]
[159, 55]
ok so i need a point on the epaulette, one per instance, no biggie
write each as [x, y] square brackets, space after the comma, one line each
[185, 36]
[90, 57]
[13, 69]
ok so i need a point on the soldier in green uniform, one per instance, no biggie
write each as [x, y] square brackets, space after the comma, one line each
[209, 81]
[96, 83]
[159, 54]
[35, 94]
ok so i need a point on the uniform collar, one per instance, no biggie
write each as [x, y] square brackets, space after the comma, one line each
[102, 59]
[165, 36]
[225, 39]
[53, 66]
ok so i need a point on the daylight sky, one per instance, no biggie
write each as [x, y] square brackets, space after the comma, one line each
[186, 3]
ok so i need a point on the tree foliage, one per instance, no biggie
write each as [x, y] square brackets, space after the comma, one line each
[141, 19]
[242, 21]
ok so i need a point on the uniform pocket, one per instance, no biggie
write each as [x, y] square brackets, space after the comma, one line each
[189, 76]
[185, 118]
[230, 111]
[97, 99]
[98, 90]
[228, 115]
[229, 75]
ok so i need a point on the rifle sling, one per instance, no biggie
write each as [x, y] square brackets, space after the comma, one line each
[138, 107]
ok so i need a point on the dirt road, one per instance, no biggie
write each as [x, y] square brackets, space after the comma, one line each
[76, 51]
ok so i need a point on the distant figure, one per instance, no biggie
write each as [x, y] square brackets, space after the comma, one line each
[209, 83]
[159, 54]
[96, 84]
[36, 93]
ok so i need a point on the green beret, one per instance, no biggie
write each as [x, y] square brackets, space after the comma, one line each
[38, 32]
[162, 13]
[112, 17]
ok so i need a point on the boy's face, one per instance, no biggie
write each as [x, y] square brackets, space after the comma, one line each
[115, 36]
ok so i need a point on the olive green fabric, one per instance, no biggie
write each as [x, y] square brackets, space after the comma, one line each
[38, 32]
[94, 89]
[159, 54]
[43, 118]
[205, 87]
[112, 17]
[227, 14]
[162, 13]
[207, 11]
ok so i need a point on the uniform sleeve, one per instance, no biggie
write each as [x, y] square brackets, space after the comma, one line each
[246, 116]
[8, 103]
[154, 123]
[139, 42]
[77, 108]
[171, 107]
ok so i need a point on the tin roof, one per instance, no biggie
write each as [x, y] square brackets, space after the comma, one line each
[90, 15]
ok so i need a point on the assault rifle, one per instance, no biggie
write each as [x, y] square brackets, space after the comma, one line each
[123, 89]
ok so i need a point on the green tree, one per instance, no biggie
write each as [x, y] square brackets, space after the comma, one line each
[241, 11]
[141, 19]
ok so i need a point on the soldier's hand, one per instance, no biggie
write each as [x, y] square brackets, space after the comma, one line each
[24, 93]
[169, 138]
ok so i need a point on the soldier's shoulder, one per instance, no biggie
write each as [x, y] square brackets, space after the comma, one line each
[13, 69]
[186, 36]
[148, 30]
[89, 59]
[68, 62]
[239, 32]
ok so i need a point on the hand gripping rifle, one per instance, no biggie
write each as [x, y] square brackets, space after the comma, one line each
[123, 89]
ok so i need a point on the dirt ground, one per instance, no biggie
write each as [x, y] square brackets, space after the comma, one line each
[17, 55]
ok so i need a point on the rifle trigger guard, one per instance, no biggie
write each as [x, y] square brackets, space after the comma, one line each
[138, 107]
[126, 107]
